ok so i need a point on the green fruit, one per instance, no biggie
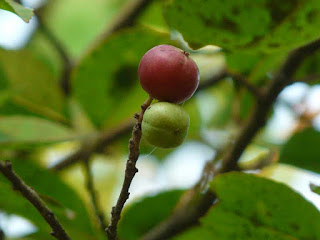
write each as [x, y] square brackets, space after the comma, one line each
[165, 125]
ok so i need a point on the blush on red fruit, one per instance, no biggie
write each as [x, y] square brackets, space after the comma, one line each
[168, 74]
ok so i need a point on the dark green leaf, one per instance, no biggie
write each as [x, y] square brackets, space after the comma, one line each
[10, 5]
[302, 150]
[62, 200]
[106, 83]
[262, 25]
[248, 209]
[310, 67]
[145, 214]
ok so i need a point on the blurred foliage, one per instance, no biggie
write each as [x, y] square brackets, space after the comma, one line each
[32, 87]
[35, 113]
[302, 150]
[143, 215]
[63, 201]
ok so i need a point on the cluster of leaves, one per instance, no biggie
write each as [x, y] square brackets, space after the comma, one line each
[35, 113]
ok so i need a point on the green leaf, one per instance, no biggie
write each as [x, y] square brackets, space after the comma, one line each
[302, 150]
[314, 188]
[143, 215]
[262, 25]
[32, 86]
[26, 129]
[152, 16]
[24, 13]
[251, 208]
[61, 199]
[106, 83]
[79, 28]
[310, 67]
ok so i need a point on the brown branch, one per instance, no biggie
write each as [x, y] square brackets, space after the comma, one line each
[242, 80]
[57, 230]
[126, 17]
[93, 195]
[258, 119]
[130, 172]
[186, 215]
[95, 145]
[103, 139]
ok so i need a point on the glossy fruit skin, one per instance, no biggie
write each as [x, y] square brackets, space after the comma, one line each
[168, 74]
[165, 125]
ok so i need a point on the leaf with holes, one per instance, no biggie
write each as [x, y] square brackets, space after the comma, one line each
[261, 25]
[248, 209]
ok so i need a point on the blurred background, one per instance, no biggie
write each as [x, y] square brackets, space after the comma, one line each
[216, 115]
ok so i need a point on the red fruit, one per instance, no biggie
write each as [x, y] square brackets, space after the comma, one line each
[168, 74]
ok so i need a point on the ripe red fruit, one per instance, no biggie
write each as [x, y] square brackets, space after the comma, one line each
[168, 74]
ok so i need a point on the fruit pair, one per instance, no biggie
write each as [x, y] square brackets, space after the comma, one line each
[168, 74]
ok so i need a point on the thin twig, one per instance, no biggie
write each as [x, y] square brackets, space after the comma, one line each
[58, 45]
[98, 143]
[130, 172]
[93, 195]
[199, 203]
[57, 230]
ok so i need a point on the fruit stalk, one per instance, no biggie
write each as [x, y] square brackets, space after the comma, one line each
[131, 170]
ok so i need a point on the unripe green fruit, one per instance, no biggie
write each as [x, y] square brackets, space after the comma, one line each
[165, 125]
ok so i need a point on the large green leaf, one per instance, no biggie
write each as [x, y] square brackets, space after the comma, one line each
[24, 129]
[79, 27]
[252, 208]
[106, 84]
[63, 201]
[31, 84]
[263, 25]
[10, 5]
[302, 150]
[143, 215]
